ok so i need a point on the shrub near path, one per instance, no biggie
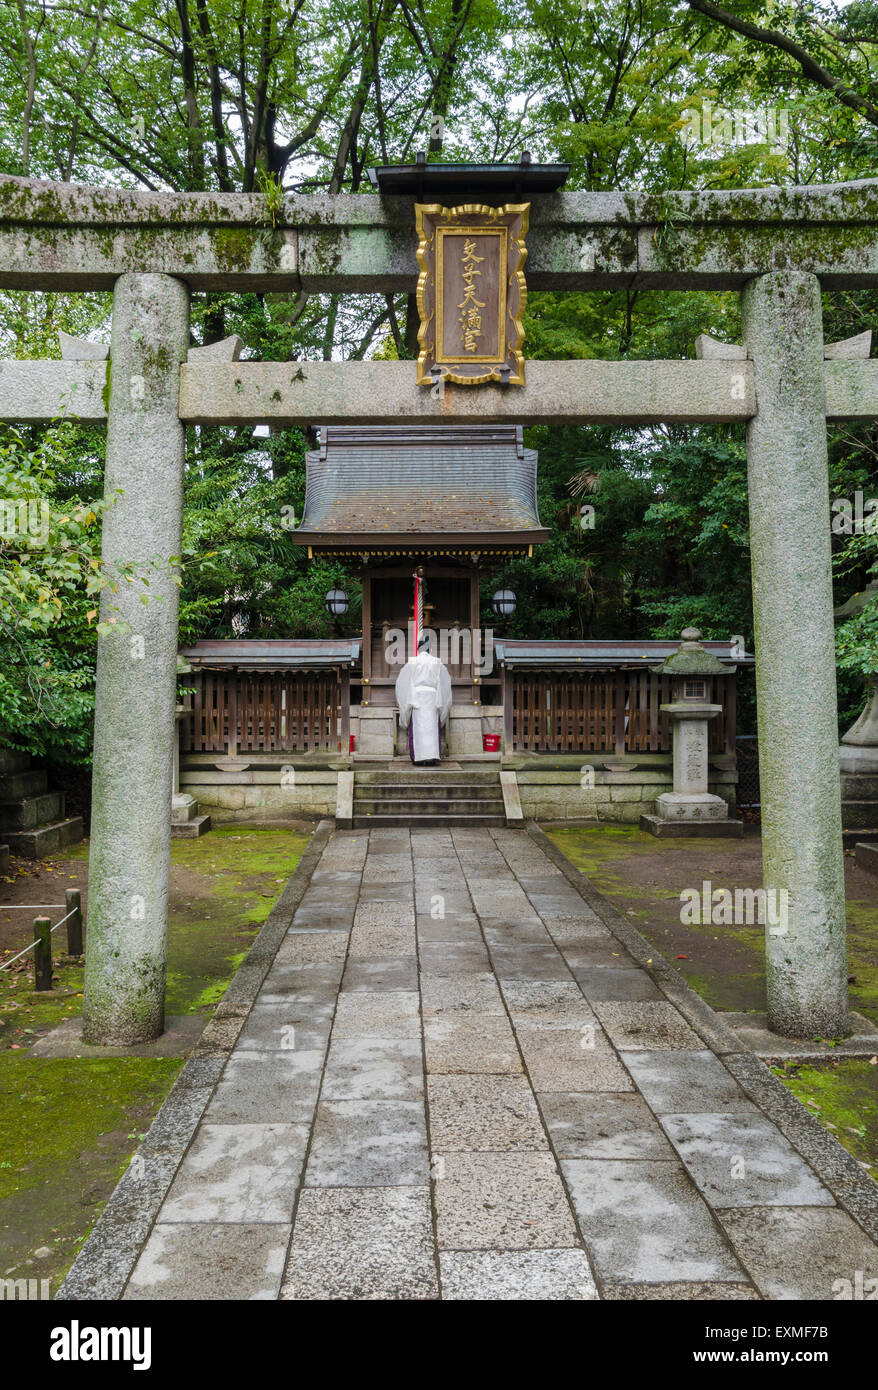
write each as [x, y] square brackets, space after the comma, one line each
[68, 1127]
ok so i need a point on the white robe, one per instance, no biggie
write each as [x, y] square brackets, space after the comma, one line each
[423, 693]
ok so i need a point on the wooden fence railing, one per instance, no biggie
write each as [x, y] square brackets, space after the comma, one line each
[239, 712]
[604, 711]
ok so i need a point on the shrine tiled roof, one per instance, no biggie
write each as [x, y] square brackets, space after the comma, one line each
[381, 482]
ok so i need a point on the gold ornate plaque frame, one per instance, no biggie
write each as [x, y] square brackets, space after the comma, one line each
[471, 341]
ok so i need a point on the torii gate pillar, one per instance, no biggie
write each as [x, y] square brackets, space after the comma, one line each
[795, 658]
[136, 668]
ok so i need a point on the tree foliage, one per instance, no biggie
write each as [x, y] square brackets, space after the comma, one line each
[289, 96]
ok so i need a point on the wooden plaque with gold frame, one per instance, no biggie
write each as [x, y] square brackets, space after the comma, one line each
[471, 292]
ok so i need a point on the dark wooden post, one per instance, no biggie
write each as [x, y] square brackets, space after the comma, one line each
[234, 679]
[474, 616]
[620, 712]
[73, 903]
[508, 689]
[730, 712]
[345, 712]
[42, 953]
[367, 638]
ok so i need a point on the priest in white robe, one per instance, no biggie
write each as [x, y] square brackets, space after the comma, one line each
[423, 693]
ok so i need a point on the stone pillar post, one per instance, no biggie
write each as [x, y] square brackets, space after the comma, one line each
[690, 737]
[136, 671]
[795, 657]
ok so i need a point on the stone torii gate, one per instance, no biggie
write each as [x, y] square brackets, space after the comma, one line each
[779, 247]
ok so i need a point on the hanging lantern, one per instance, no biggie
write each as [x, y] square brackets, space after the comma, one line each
[504, 603]
[336, 602]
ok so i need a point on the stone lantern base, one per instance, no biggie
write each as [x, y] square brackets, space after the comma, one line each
[690, 816]
[186, 823]
[858, 760]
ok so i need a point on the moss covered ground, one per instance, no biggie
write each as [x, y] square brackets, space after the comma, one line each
[68, 1127]
[644, 877]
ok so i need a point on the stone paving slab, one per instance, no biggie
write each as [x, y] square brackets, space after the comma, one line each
[644, 1222]
[645, 1025]
[481, 1043]
[491, 1113]
[707, 1292]
[504, 1201]
[256, 1091]
[449, 1069]
[211, 1261]
[464, 994]
[803, 1252]
[384, 1014]
[686, 1081]
[742, 1160]
[374, 1069]
[602, 1125]
[572, 1059]
[615, 984]
[487, 1275]
[369, 1143]
[362, 1243]
[239, 1173]
[381, 974]
[554, 1004]
[288, 1025]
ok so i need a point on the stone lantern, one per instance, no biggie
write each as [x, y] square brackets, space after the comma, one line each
[690, 809]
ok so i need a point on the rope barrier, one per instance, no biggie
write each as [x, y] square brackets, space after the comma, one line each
[32, 944]
[32, 907]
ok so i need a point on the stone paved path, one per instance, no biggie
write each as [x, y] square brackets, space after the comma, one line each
[456, 1082]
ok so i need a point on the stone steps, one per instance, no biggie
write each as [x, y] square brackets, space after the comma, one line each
[43, 840]
[31, 811]
[32, 819]
[867, 857]
[445, 821]
[428, 805]
[190, 829]
[859, 815]
[438, 776]
[15, 785]
[432, 797]
[452, 791]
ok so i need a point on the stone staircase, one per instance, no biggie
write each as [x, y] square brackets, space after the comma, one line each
[866, 856]
[435, 797]
[32, 821]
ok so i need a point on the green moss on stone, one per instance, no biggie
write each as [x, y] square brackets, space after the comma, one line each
[233, 247]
